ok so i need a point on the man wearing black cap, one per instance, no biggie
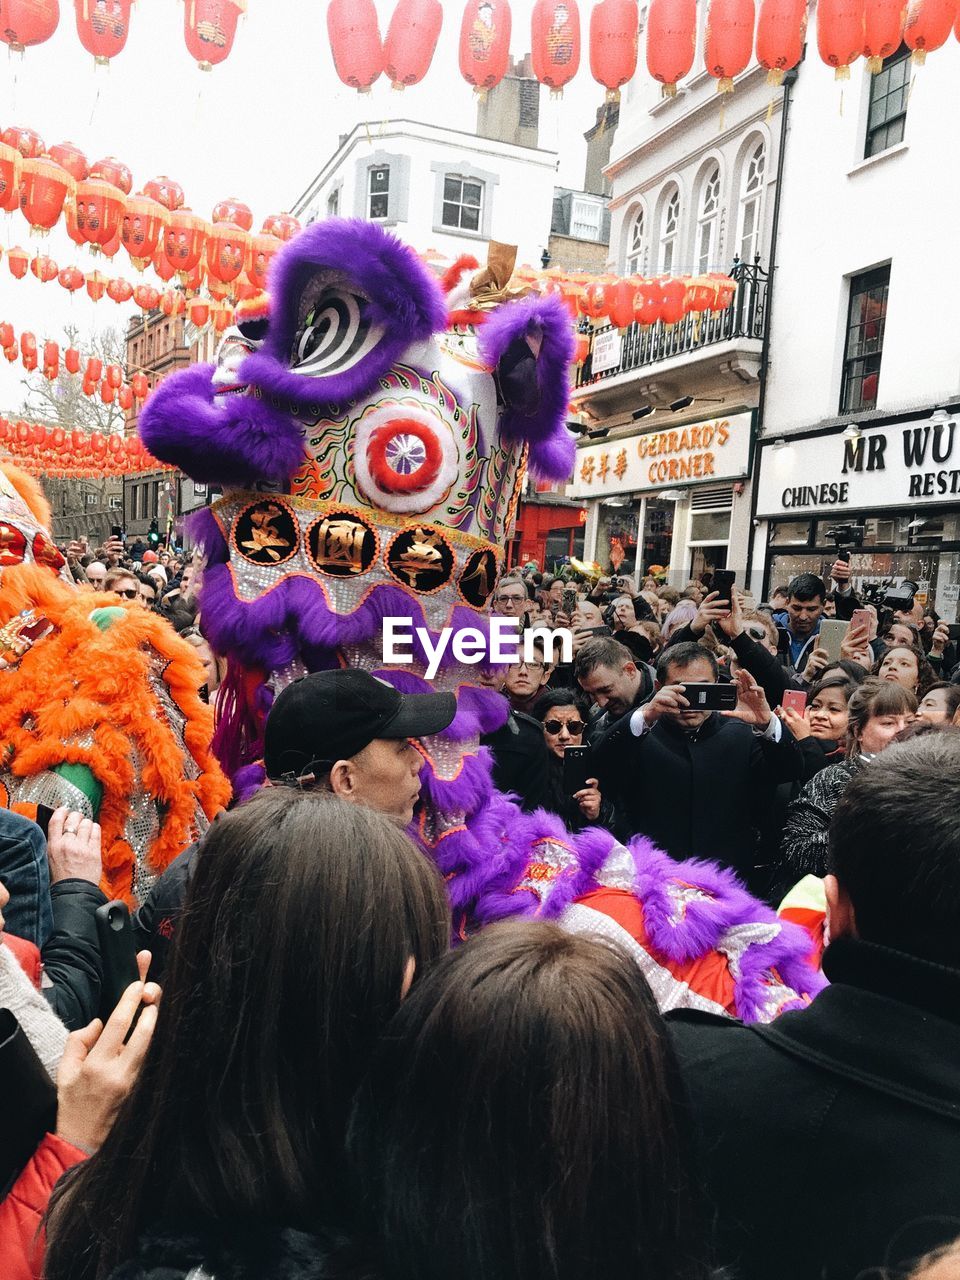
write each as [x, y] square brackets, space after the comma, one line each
[350, 732]
[344, 731]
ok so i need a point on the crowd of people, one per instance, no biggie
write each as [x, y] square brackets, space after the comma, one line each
[308, 1081]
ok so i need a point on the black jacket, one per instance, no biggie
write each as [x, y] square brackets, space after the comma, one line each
[520, 759]
[71, 955]
[155, 920]
[829, 1141]
[702, 796]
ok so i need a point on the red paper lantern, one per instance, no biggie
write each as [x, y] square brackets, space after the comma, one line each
[183, 240]
[44, 268]
[141, 389]
[96, 285]
[119, 290]
[927, 27]
[146, 297]
[485, 43]
[614, 30]
[227, 248]
[18, 262]
[593, 299]
[107, 393]
[282, 225]
[141, 229]
[882, 32]
[70, 158]
[44, 186]
[98, 442]
[161, 266]
[701, 292]
[235, 211]
[126, 400]
[70, 222]
[38, 434]
[781, 28]
[555, 40]
[840, 33]
[51, 355]
[103, 27]
[11, 353]
[11, 167]
[411, 40]
[100, 208]
[28, 344]
[729, 40]
[71, 358]
[647, 303]
[27, 141]
[112, 170]
[263, 248]
[114, 376]
[199, 312]
[173, 303]
[673, 299]
[354, 34]
[165, 191]
[7, 336]
[671, 41]
[619, 302]
[72, 279]
[209, 28]
[27, 22]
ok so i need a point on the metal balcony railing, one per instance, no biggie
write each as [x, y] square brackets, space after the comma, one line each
[746, 317]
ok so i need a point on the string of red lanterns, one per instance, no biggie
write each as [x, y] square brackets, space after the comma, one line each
[73, 455]
[209, 27]
[107, 383]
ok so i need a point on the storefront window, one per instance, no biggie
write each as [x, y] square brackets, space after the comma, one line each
[617, 523]
[787, 533]
[657, 533]
[710, 526]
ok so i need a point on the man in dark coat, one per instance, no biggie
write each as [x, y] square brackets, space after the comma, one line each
[699, 783]
[829, 1141]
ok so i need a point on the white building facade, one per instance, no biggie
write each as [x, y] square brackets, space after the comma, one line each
[693, 186]
[438, 188]
[860, 432]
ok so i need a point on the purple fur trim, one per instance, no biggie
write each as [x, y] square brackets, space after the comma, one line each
[230, 440]
[478, 710]
[404, 297]
[206, 533]
[552, 447]
[247, 782]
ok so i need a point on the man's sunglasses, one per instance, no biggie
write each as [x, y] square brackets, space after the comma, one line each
[573, 726]
[756, 633]
[127, 595]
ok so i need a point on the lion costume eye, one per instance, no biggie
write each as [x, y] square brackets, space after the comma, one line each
[336, 335]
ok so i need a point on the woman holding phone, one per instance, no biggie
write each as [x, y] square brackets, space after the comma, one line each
[564, 715]
[821, 728]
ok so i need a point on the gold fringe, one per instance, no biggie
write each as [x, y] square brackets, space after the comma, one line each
[918, 57]
[842, 73]
[775, 75]
[874, 65]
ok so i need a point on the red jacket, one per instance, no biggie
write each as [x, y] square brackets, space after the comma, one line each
[21, 1251]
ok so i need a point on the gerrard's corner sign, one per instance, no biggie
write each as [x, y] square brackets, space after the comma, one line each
[910, 464]
[696, 453]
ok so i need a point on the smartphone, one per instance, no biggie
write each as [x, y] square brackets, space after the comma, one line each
[844, 556]
[116, 532]
[118, 955]
[832, 632]
[864, 618]
[44, 814]
[569, 601]
[577, 768]
[710, 697]
[723, 580]
[954, 630]
[794, 700]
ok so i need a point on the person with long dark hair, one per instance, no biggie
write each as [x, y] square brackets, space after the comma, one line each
[520, 1120]
[307, 919]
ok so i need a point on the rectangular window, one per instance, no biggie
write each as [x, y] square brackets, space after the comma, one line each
[889, 91]
[864, 347]
[586, 220]
[462, 203]
[378, 192]
[155, 500]
[333, 204]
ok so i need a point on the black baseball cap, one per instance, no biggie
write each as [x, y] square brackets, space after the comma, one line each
[328, 716]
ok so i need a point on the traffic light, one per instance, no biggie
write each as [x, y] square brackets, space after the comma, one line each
[153, 537]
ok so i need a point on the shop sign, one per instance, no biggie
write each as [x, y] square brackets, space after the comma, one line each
[607, 351]
[699, 453]
[914, 464]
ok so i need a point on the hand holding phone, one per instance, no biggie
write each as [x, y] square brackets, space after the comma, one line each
[577, 765]
[794, 700]
[832, 632]
[118, 954]
[864, 618]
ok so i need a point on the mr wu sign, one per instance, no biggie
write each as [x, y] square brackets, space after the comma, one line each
[913, 463]
[698, 453]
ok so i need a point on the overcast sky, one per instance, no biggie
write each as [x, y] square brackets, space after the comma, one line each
[259, 126]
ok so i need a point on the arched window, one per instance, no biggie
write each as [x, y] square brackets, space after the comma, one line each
[635, 259]
[751, 205]
[669, 229]
[708, 221]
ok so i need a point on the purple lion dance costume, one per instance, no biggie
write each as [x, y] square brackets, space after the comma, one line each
[371, 446]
